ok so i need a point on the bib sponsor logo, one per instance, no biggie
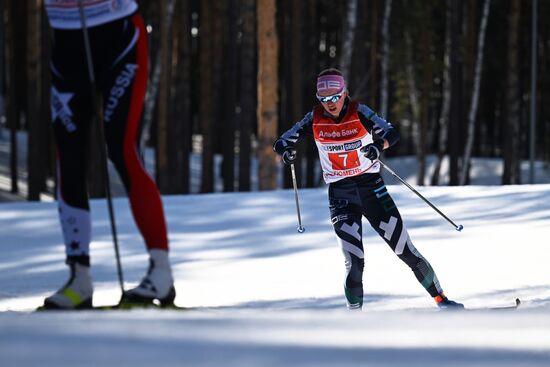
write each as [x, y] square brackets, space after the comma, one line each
[345, 173]
[338, 134]
[352, 146]
[347, 147]
[333, 148]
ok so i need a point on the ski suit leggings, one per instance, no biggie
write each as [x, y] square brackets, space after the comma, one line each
[366, 195]
[119, 52]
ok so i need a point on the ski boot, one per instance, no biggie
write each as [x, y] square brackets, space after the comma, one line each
[446, 304]
[156, 288]
[77, 293]
[353, 302]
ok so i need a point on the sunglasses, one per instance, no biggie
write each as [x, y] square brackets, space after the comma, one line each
[332, 98]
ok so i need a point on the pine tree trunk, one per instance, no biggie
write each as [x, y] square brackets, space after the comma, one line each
[46, 130]
[296, 81]
[455, 120]
[180, 118]
[36, 163]
[205, 86]
[284, 18]
[163, 171]
[475, 94]
[311, 69]
[348, 36]
[415, 108]
[248, 91]
[385, 59]
[230, 100]
[543, 99]
[267, 91]
[11, 93]
[446, 97]
[427, 77]
[374, 53]
[218, 66]
[511, 152]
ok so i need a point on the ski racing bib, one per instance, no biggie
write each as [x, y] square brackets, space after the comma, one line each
[339, 145]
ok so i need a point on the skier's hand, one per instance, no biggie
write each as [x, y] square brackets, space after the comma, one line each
[373, 150]
[286, 150]
[289, 156]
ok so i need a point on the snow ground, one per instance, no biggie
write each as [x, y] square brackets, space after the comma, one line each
[263, 295]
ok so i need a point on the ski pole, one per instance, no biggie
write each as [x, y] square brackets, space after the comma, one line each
[457, 227]
[103, 149]
[300, 228]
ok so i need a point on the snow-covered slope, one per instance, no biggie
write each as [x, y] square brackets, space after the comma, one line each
[265, 295]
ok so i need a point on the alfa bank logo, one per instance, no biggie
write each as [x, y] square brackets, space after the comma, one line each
[338, 134]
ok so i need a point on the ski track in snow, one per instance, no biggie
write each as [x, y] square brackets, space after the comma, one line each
[264, 295]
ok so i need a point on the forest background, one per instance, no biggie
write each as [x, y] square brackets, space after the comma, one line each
[228, 76]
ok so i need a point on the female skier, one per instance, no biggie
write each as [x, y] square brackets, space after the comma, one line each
[350, 138]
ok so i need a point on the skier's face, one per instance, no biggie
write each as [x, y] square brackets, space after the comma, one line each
[332, 102]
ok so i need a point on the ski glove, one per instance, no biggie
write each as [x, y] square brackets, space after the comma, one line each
[286, 150]
[372, 151]
[289, 156]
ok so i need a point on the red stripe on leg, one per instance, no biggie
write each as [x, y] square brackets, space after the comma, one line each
[144, 197]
